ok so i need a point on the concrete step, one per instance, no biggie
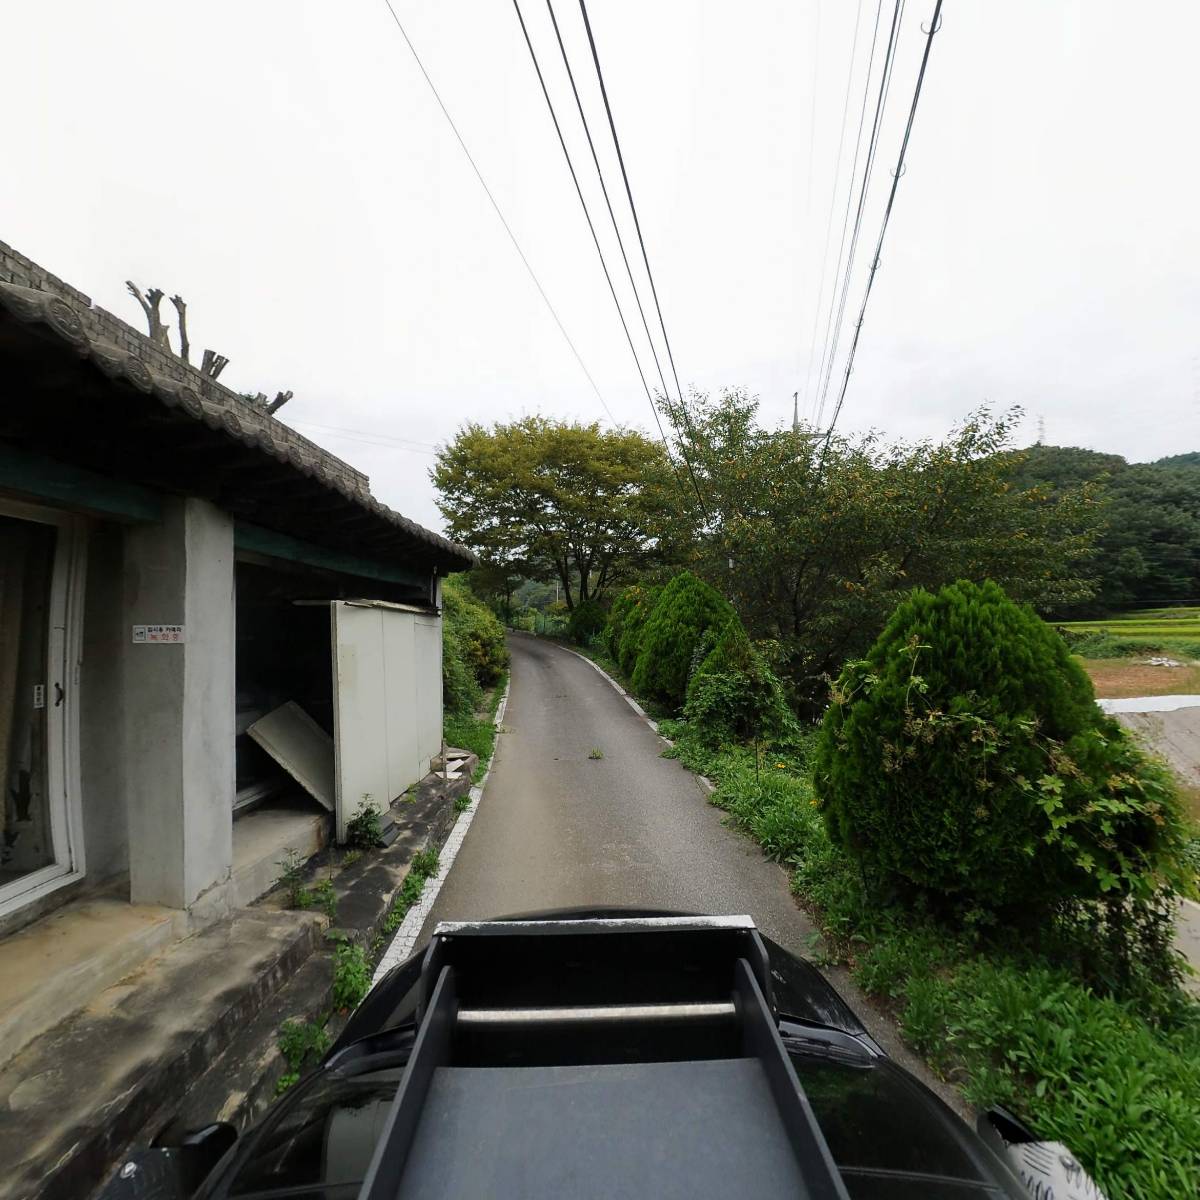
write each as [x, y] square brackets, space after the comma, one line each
[51, 969]
[240, 1085]
[262, 837]
[74, 1098]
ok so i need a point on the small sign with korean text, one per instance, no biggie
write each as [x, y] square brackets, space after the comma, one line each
[158, 633]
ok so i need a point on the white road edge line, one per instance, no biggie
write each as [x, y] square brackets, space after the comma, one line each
[405, 940]
[706, 783]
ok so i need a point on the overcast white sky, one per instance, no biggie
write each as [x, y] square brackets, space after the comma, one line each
[282, 164]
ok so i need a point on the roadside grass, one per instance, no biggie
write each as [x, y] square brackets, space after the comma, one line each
[476, 731]
[424, 867]
[1009, 1016]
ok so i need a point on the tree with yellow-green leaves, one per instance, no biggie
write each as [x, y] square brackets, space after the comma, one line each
[550, 499]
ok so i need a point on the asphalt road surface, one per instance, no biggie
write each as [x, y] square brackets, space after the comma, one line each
[557, 828]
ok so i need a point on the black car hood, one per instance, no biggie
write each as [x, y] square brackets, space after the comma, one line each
[802, 993]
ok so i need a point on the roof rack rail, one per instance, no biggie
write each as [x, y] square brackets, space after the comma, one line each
[599, 1058]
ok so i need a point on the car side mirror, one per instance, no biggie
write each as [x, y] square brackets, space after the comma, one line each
[1044, 1168]
[174, 1167]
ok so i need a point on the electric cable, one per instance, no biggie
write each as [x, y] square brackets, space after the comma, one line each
[507, 228]
[595, 238]
[837, 171]
[868, 169]
[604, 189]
[934, 26]
[637, 224]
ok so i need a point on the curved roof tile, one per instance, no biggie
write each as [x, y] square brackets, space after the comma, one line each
[31, 305]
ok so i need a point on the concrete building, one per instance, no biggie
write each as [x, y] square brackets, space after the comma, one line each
[177, 565]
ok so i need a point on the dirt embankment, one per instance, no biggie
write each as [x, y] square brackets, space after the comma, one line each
[1118, 678]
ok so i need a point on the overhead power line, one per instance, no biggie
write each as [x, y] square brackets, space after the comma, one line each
[599, 250]
[367, 433]
[587, 129]
[833, 191]
[834, 329]
[507, 228]
[637, 224]
[368, 439]
[934, 25]
[612, 126]
[620, 240]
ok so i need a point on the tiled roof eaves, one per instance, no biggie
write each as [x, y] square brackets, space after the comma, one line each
[251, 429]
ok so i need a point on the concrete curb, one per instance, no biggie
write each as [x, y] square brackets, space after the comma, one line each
[405, 940]
[706, 783]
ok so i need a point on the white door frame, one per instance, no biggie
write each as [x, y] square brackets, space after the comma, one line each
[64, 655]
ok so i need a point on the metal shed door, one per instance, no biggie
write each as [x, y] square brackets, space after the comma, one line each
[377, 706]
[428, 631]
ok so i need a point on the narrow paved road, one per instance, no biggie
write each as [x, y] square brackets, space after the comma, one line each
[559, 829]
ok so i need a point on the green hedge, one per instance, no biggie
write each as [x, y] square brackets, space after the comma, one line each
[1016, 1020]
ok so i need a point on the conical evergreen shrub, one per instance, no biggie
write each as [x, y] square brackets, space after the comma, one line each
[966, 757]
[687, 609]
[614, 626]
[631, 623]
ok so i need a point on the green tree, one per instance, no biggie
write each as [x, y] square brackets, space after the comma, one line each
[586, 506]
[965, 757]
[685, 612]
[816, 543]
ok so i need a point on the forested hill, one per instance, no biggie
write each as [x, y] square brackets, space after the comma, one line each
[1149, 551]
[1180, 460]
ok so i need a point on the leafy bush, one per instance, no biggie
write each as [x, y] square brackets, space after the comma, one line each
[586, 621]
[351, 975]
[614, 626]
[687, 609]
[364, 830]
[293, 878]
[301, 1043]
[965, 756]
[461, 693]
[1082, 1069]
[474, 655]
[475, 733]
[734, 695]
[424, 866]
[479, 629]
[626, 623]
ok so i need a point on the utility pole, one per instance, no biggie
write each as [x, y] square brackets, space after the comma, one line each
[795, 412]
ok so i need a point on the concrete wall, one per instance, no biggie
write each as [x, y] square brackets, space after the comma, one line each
[102, 709]
[179, 704]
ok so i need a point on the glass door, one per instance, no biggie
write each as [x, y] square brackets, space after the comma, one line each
[40, 578]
